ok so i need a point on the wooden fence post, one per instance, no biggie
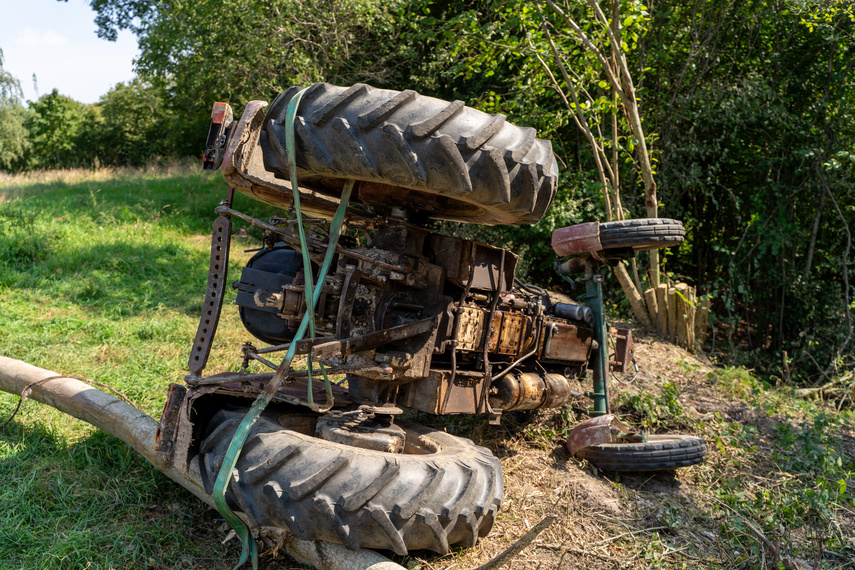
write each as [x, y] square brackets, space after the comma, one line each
[672, 314]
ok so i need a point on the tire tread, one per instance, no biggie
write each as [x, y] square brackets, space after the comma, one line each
[321, 490]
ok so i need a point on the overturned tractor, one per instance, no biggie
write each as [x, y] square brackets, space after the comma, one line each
[389, 315]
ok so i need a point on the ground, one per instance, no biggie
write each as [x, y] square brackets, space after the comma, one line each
[644, 520]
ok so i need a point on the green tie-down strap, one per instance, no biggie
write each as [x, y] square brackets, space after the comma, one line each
[312, 292]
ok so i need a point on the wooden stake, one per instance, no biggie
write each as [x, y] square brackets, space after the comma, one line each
[690, 325]
[662, 303]
[682, 314]
[652, 305]
[672, 314]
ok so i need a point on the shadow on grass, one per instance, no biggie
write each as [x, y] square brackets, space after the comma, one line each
[119, 279]
[96, 503]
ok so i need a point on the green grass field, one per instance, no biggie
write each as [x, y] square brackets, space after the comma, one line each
[102, 276]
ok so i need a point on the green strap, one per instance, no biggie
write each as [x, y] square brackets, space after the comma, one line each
[308, 322]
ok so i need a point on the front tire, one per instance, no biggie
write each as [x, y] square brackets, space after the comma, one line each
[662, 452]
[642, 234]
[442, 491]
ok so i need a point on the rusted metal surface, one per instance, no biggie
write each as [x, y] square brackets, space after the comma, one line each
[565, 342]
[361, 429]
[349, 289]
[508, 331]
[624, 348]
[530, 391]
[294, 239]
[221, 119]
[601, 429]
[214, 293]
[570, 267]
[460, 256]
[164, 438]
[439, 394]
[348, 346]
[576, 240]
[250, 385]
[243, 168]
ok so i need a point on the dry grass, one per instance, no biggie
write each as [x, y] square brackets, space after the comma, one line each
[644, 520]
[153, 169]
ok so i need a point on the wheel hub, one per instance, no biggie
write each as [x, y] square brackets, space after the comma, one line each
[363, 428]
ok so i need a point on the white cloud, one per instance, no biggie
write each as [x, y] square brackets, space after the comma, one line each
[31, 37]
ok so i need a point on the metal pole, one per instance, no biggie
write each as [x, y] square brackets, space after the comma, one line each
[594, 294]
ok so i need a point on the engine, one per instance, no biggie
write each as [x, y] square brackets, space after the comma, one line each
[426, 321]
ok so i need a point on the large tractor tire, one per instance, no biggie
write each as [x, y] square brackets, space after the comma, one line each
[442, 491]
[447, 160]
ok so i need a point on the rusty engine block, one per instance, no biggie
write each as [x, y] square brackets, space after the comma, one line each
[426, 321]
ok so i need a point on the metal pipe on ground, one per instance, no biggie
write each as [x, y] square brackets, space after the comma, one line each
[137, 429]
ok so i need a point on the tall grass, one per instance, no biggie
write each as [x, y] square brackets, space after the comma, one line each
[102, 275]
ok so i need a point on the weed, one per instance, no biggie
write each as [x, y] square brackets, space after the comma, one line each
[99, 279]
[737, 382]
[654, 411]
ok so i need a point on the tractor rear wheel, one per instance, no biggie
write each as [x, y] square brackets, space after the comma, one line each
[442, 491]
[444, 159]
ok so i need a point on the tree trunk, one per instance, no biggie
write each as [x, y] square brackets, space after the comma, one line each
[636, 301]
[137, 429]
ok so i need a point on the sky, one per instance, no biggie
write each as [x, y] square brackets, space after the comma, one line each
[57, 41]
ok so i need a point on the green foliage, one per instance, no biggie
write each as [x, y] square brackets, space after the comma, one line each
[135, 124]
[14, 141]
[13, 136]
[241, 50]
[737, 382]
[816, 474]
[654, 412]
[57, 126]
[755, 128]
[103, 278]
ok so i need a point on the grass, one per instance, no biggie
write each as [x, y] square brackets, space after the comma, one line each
[102, 276]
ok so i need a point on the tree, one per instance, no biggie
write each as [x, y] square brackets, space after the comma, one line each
[240, 50]
[613, 64]
[13, 136]
[754, 105]
[559, 71]
[134, 124]
[55, 124]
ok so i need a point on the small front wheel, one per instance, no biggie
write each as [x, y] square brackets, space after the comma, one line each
[642, 234]
[662, 452]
